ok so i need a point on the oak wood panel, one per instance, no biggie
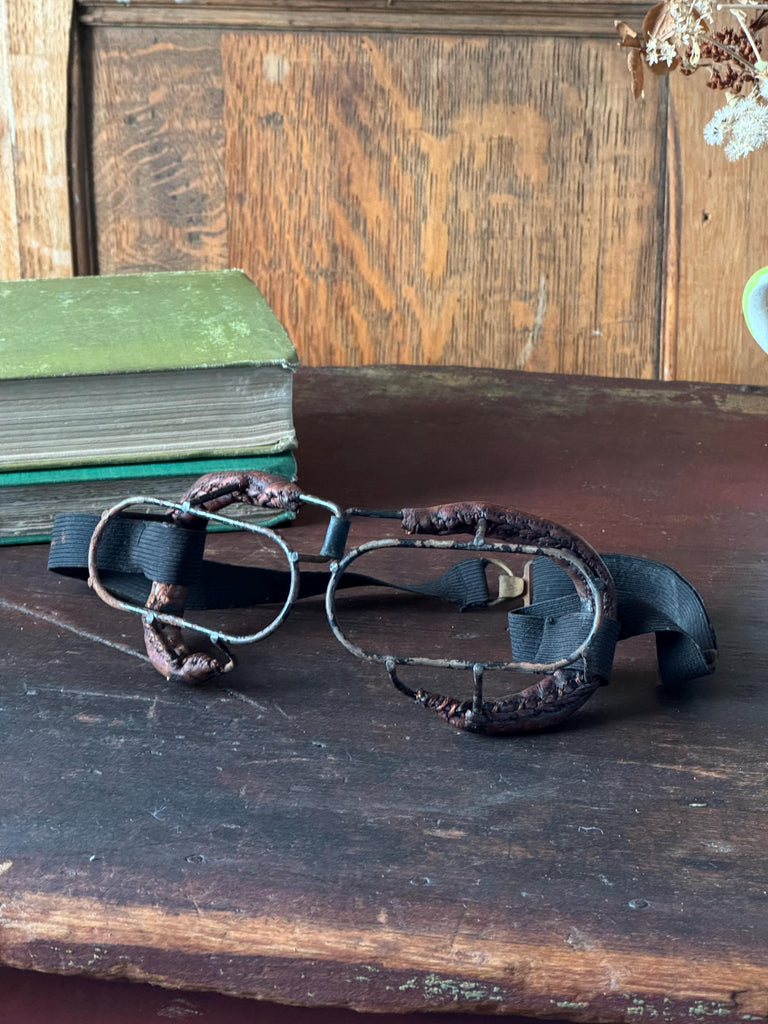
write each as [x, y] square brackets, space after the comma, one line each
[10, 261]
[34, 196]
[428, 199]
[79, 148]
[158, 150]
[723, 238]
[579, 17]
[502, 216]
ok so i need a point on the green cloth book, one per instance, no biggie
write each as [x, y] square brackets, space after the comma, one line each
[29, 500]
[141, 368]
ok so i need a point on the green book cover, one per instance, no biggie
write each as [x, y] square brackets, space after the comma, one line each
[29, 500]
[141, 368]
[283, 464]
[135, 322]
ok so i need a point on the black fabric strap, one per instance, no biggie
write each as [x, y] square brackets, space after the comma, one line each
[652, 598]
[138, 549]
[144, 545]
[552, 629]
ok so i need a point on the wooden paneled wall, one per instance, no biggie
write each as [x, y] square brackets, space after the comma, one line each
[34, 199]
[439, 199]
[428, 182]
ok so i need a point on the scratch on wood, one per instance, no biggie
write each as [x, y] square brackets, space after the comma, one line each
[695, 770]
[459, 922]
[73, 692]
[84, 634]
[236, 695]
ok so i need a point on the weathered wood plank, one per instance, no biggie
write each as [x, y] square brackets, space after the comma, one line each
[33, 154]
[580, 18]
[305, 834]
[480, 200]
[158, 149]
[10, 266]
[30, 997]
[422, 199]
[79, 155]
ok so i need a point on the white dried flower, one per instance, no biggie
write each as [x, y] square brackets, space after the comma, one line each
[741, 126]
[689, 19]
[658, 50]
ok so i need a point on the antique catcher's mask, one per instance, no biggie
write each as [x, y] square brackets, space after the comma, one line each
[576, 605]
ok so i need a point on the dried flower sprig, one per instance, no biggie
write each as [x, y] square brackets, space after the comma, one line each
[679, 35]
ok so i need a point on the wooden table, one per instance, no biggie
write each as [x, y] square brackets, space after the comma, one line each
[304, 834]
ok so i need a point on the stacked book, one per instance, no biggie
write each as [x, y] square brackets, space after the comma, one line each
[135, 385]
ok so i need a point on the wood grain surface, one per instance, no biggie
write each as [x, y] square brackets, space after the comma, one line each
[158, 151]
[428, 200]
[723, 241]
[579, 17]
[9, 226]
[34, 198]
[494, 198]
[304, 834]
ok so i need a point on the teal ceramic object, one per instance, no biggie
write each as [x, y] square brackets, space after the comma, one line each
[754, 302]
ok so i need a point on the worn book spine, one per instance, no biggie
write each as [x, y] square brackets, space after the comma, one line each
[112, 419]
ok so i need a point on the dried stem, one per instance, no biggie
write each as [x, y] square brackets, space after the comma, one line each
[744, 28]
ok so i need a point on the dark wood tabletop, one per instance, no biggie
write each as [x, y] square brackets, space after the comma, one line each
[302, 833]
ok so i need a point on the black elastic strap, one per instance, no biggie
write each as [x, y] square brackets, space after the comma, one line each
[652, 598]
[135, 550]
[546, 631]
[143, 545]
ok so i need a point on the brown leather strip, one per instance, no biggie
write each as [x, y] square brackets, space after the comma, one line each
[166, 647]
[215, 491]
[554, 697]
[516, 527]
[547, 702]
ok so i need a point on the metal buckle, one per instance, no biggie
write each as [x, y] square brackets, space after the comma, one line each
[338, 569]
